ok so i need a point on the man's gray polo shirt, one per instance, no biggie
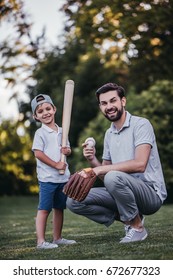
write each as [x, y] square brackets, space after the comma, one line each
[48, 141]
[120, 146]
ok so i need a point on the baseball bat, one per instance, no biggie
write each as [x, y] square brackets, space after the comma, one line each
[66, 116]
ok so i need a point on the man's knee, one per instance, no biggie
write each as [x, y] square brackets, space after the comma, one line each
[73, 205]
[69, 204]
[113, 179]
[112, 176]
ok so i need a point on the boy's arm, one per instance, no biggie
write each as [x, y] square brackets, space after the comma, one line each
[45, 159]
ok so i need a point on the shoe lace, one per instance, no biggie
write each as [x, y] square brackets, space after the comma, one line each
[126, 228]
[130, 233]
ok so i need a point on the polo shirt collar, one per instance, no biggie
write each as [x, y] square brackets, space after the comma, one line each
[50, 130]
[126, 123]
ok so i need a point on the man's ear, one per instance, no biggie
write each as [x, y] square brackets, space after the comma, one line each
[123, 101]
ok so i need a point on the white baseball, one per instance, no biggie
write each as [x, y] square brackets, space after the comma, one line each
[90, 142]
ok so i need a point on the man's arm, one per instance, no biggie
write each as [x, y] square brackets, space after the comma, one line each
[89, 154]
[136, 165]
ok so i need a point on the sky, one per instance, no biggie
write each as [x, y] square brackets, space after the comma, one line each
[43, 13]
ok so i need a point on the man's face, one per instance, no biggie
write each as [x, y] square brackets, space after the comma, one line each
[112, 106]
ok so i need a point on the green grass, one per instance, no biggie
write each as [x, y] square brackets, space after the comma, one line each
[94, 242]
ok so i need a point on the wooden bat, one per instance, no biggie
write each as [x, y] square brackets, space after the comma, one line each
[66, 116]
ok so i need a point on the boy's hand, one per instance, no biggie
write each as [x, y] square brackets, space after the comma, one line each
[60, 165]
[66, 151]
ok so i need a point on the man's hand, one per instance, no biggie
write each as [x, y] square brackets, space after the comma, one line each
[83, 173]
[88, 152]
[79, 184]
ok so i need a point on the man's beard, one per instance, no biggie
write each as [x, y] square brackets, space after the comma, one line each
[117, 117]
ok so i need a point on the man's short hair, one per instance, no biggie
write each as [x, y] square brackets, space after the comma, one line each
[108, 87]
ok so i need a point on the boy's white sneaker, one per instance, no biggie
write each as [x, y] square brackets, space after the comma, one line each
[47, 245]
[64, 241]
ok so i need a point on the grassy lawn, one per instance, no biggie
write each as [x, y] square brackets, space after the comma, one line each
[94, 242]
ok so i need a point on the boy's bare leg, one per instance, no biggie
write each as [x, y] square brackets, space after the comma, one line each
[41, 221]
[58, 218]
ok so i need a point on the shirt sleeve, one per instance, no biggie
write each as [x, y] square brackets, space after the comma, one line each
[143, 133]
[106, 151]
[38, 143]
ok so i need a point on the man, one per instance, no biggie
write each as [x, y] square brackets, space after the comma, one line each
[131, 169]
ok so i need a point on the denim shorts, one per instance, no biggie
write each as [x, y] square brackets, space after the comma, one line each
[51, 196]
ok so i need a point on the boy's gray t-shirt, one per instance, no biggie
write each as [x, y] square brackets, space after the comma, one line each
[48, 141]
[120, 146]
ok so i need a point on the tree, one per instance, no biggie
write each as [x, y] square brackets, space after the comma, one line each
[51, 74]
[17, 163]
[136, 34]
[128, 42]
[19, 52]
[156, 104]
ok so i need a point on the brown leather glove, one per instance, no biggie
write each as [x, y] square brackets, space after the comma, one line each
[78, 187]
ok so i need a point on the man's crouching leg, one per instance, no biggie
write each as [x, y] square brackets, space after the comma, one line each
[98, 206]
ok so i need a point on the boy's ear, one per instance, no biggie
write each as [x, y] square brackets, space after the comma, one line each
[35, 118]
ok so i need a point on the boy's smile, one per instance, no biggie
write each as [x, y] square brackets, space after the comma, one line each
[45, 113]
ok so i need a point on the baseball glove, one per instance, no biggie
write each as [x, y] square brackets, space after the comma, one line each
[78, 187]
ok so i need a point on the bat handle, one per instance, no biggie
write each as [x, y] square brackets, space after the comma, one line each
[62, 171]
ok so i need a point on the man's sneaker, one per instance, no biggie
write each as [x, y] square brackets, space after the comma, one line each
[64, 241]
[47, 245]
[127, 227]
[134, 235]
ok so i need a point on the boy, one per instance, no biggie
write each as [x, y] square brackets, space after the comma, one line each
[47, 150]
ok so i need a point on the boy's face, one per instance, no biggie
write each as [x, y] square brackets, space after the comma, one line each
[45, 113]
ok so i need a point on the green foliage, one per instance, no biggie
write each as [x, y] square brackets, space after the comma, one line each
[156, 105]
[86, 81]
[19, 52]
[17, 165]
[132, 34]
[128, 42]
[96, 129]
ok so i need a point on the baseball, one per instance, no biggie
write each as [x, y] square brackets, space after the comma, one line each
[90, 142]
